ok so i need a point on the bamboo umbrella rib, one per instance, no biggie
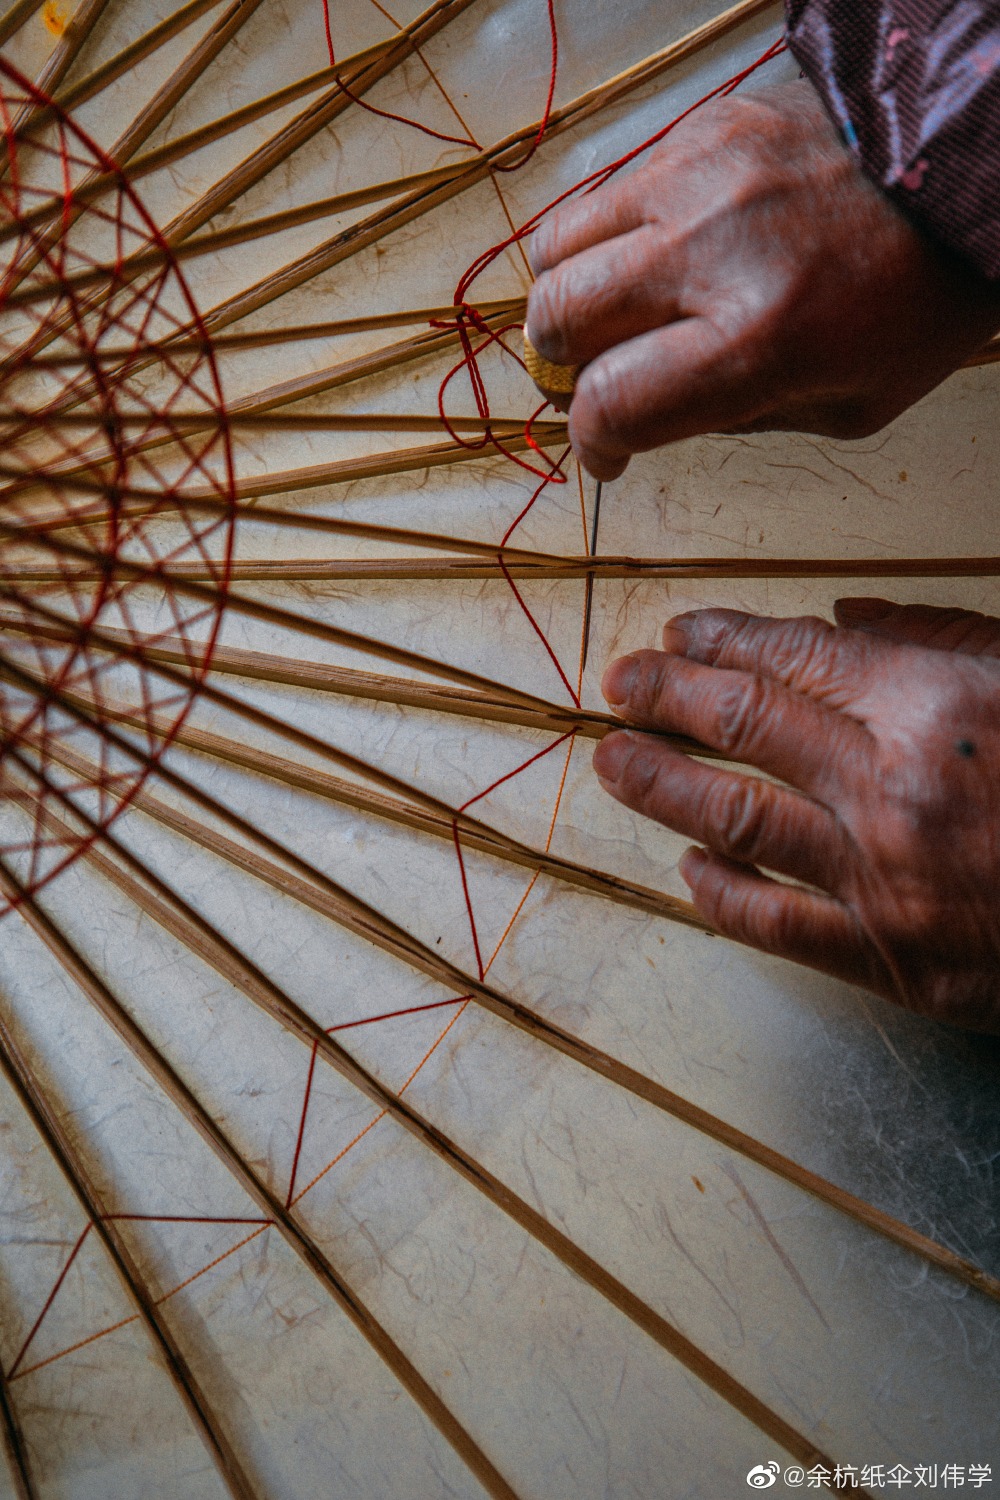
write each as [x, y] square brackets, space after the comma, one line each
[177, 917]
[14, 1446]
[268, 156]
[173, 150]
[252, 419]
[434, 541]
[14, 18]
[340, 471]
[62, 57]
[376, 362]
[346, 570]
[415, 203]
[356, 916]
[46, 1120]
[442, 824]
[299, 1240]
[205, 51]
[290, 333]
[157, 109]
[168, 96]
[314, 118]
[129, 57]
[273, 615]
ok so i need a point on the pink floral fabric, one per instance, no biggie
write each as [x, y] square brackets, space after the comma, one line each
[915, 87]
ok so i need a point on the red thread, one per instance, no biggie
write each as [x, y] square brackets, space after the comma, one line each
[385, 114]
[46, 258]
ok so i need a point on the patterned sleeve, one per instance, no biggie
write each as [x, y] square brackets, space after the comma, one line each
[915, 87]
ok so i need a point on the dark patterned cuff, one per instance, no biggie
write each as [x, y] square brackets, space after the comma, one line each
[915, 87]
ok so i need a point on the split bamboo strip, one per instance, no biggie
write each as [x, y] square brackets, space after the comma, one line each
[166, 98]
[14, 1446]
[345, 372]
[14, 18]
[257, 419]
[441, 824]
[347, 570]
[260, 162]
[294, 1234]
[273, 615]
[291, 333]
[129, 57]
[167, 908]
[60, 60]
[356, 916]
[313, 119]
[340, 471]
[46, 1121]
[415, 203]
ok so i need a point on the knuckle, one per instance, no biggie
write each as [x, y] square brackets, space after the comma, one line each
[737, 817]
[738, 707]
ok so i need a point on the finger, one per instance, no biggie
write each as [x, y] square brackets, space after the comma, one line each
[961, 630]
[746, 819]
[803, 653]
[807, 928]
[671, 383]
[604, 295]
[614, 209]
[744, 716]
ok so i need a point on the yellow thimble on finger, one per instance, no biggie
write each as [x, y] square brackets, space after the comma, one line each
[551, 380]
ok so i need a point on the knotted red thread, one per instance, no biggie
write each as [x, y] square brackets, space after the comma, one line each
[45, 256]
[385, 114]
[468, 317]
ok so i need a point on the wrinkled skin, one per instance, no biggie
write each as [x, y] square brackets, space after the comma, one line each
[884, 734]
[746, 277]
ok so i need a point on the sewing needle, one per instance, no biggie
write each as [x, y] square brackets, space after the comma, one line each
[589, 600]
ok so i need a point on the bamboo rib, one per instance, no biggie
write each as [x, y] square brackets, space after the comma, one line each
[258, 164]
[252, 419]
[129, 57]
[345, 372]
[475, 834]
[273, 615]
[219, 34]
[356, 916]
[540, 567]
[314, 118]
[291, 333]
[415, 203]
[174, 150]
[178, 918]
[61, 58]
[298, 1239]
[13, 19]
[14, 1446]
[339, 471]
[46, 1120]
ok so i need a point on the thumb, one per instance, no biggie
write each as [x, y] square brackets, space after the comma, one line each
[922, 625]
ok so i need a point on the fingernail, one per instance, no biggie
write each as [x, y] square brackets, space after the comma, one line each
[610, 757]
[693, 861]
[619, 680]
[862, 611]
[674, 640]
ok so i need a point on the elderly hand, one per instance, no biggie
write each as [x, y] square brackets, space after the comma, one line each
[746, 277]
[885, 735]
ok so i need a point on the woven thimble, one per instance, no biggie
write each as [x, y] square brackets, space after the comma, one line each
[551, 380]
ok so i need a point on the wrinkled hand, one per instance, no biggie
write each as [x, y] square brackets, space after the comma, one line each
[885, 735]
[746, 277]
